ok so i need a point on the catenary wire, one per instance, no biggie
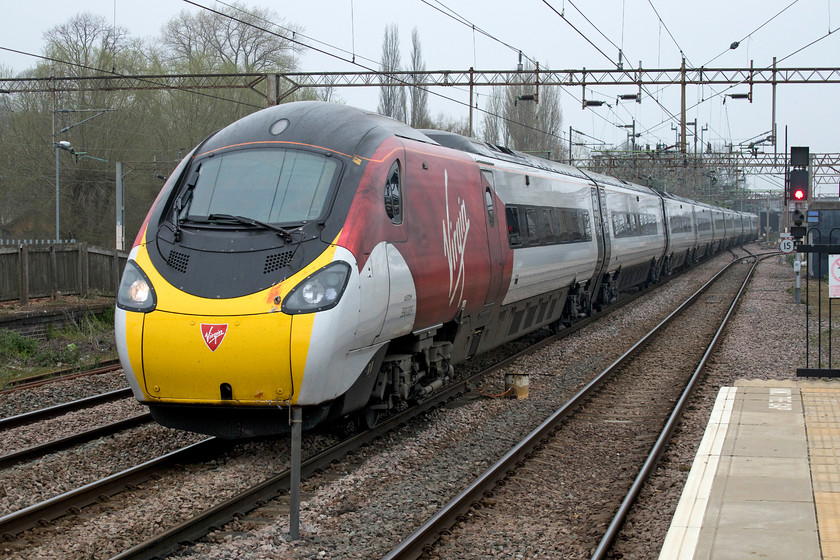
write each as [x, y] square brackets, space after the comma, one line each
[113, 73]
[396, 79]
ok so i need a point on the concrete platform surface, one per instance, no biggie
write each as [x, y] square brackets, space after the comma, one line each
[765, 482]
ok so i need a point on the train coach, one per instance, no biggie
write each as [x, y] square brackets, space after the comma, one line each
[319, 256]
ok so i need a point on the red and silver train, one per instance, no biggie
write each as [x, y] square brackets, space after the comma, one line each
[319, 256]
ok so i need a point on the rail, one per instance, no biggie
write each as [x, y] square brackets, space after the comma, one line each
[427, 534]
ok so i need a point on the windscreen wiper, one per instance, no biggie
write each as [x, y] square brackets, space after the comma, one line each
[182, 203]
[284, 233]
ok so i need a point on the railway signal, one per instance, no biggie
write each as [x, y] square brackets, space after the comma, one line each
[798, 185]
[798, 177]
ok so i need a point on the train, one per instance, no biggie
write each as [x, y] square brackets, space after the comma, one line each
[321, 256]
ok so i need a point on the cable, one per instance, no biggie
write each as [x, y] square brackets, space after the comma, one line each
[298, 33]
[464, 21]
[398, 80]
[753, 31]
[597, 29]
[113, 73]
[579, 32]
[682, 54]
[563, 17]
[797, 51]
[718, 94]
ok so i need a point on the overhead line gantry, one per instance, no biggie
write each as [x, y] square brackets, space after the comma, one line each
[278, 86]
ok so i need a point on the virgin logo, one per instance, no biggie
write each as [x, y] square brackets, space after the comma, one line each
[455, 243]
[213, 335]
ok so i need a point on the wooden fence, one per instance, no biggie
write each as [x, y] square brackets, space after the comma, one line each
[31, 271]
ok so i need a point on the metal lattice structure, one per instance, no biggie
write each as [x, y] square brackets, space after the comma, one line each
[285, 83]
[673, 166]
[825, 167]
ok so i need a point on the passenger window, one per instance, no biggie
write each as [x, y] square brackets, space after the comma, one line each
[487, 183]
[547, 226]
[512, 215]
[393, 194]
[531, 222]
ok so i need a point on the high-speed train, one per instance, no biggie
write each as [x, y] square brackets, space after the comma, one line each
[319, 256]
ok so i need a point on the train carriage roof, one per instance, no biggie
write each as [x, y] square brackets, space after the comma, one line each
[492, 151]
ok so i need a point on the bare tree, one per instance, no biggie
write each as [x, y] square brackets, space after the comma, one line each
[451, 124]
[235, 41]
[525, 119]
[494, 116]
[86, 42]
[534, 126]
[418, 95]
[391, 92]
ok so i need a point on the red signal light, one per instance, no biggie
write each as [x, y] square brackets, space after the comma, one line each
[798, 185]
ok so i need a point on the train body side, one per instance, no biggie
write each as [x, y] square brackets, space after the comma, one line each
[393, 255]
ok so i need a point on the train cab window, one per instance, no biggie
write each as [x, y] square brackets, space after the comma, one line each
[277, 186]
[393, 194]
[512, 216]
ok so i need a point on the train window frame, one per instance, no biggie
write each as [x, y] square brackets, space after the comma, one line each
[532, 225]
[513, 227]
[489, 203]
[547, 225]
[569, 225]
[196, 195]
[393, 197]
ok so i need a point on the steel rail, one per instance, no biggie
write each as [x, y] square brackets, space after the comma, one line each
[195, 528]
[32, 381]
[250, 499]
[414, 545]
[64, 408]
[668, 429]
[44, 512]
[36, 451]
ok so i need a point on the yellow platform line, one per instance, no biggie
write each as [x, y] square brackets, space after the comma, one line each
[822, 423]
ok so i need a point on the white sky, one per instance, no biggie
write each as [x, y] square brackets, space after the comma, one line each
[702, 29]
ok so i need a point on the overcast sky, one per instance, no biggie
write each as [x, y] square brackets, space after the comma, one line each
[701, 30]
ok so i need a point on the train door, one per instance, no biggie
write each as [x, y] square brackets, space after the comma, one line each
[494, 246]
[602, 237]
[666, 225]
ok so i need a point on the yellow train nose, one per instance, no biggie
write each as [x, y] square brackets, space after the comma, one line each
[243, 360]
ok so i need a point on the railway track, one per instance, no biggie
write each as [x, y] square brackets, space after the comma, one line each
[592, 455]
[42, 379]
[250, 502]
[36, 451]
[65, 408]
[73, 502]
[198, 525]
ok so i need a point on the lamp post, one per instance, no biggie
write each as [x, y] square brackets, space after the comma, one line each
[65, 145]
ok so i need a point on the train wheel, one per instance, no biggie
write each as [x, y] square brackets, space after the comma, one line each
[368, 418]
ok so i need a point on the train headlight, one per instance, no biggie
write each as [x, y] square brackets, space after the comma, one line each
[136, 292]
[318, 292]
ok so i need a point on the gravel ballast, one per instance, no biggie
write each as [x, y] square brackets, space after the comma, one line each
[366, 504]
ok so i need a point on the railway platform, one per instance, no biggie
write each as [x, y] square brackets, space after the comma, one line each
[765, 482]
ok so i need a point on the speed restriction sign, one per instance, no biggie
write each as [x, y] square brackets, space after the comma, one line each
[786, 246]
